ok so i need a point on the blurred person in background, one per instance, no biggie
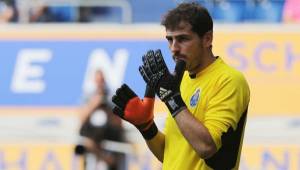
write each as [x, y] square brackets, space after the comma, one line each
[206, 98]
[92, 14]
[99, 124]
[41, 14]
[291, 11]
[8, 12]
[44, 13]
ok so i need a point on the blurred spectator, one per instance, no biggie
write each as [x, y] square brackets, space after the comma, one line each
[291, 11]
[88, 14]
[100, 14]
[98, 123]
[40, 14]
[8, 11]
[228, 11]
[53, 14]
[264, 11]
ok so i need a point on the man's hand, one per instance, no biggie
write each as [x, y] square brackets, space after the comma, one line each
[138, 112]
[166, 85]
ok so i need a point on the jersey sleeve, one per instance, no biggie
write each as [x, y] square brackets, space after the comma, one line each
[226, 105]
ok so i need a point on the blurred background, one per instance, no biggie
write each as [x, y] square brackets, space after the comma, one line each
[51, 49]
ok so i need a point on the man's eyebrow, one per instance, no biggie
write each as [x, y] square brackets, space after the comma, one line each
[176, 36]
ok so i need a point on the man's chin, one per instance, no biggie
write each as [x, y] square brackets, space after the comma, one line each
[179, 59]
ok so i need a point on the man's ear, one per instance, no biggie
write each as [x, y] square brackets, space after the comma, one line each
[207, 39]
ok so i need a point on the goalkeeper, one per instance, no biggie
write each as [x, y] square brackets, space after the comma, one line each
[207, 99]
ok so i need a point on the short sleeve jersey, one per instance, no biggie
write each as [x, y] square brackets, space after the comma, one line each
[218, 96]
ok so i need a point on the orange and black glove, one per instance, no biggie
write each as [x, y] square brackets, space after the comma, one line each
[138, 112]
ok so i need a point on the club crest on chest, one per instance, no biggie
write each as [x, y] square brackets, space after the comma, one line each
[195, 98]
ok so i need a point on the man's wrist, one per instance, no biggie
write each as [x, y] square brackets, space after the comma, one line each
[175, 104]
[150, 132]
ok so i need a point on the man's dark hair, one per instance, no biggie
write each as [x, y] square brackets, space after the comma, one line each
[192, 13]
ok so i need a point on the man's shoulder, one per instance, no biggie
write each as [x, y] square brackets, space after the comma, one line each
[228, 70]
[227, 73]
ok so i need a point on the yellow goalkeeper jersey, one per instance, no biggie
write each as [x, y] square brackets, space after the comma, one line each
[218, 96]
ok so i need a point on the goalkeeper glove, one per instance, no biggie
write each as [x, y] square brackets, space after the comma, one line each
[167, 86]
[138, 112]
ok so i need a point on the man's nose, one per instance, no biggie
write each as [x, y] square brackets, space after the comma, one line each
[175, 47]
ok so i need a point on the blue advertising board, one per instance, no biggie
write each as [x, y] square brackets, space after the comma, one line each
[55, 72]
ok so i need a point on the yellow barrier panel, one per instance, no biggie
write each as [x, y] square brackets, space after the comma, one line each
[271, 63]
[39, 157]
[270, 157]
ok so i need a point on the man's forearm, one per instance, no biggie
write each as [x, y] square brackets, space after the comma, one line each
[196, 134]
[157, 145]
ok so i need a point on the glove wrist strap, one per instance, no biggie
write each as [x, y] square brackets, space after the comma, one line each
[175, 104]
[150, 132]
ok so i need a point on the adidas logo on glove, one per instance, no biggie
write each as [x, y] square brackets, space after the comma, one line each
[164, 92]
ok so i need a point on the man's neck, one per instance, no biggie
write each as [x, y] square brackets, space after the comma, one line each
[205, 63]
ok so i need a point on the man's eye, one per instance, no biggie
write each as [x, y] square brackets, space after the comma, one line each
[181, 39]
[169, 40]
